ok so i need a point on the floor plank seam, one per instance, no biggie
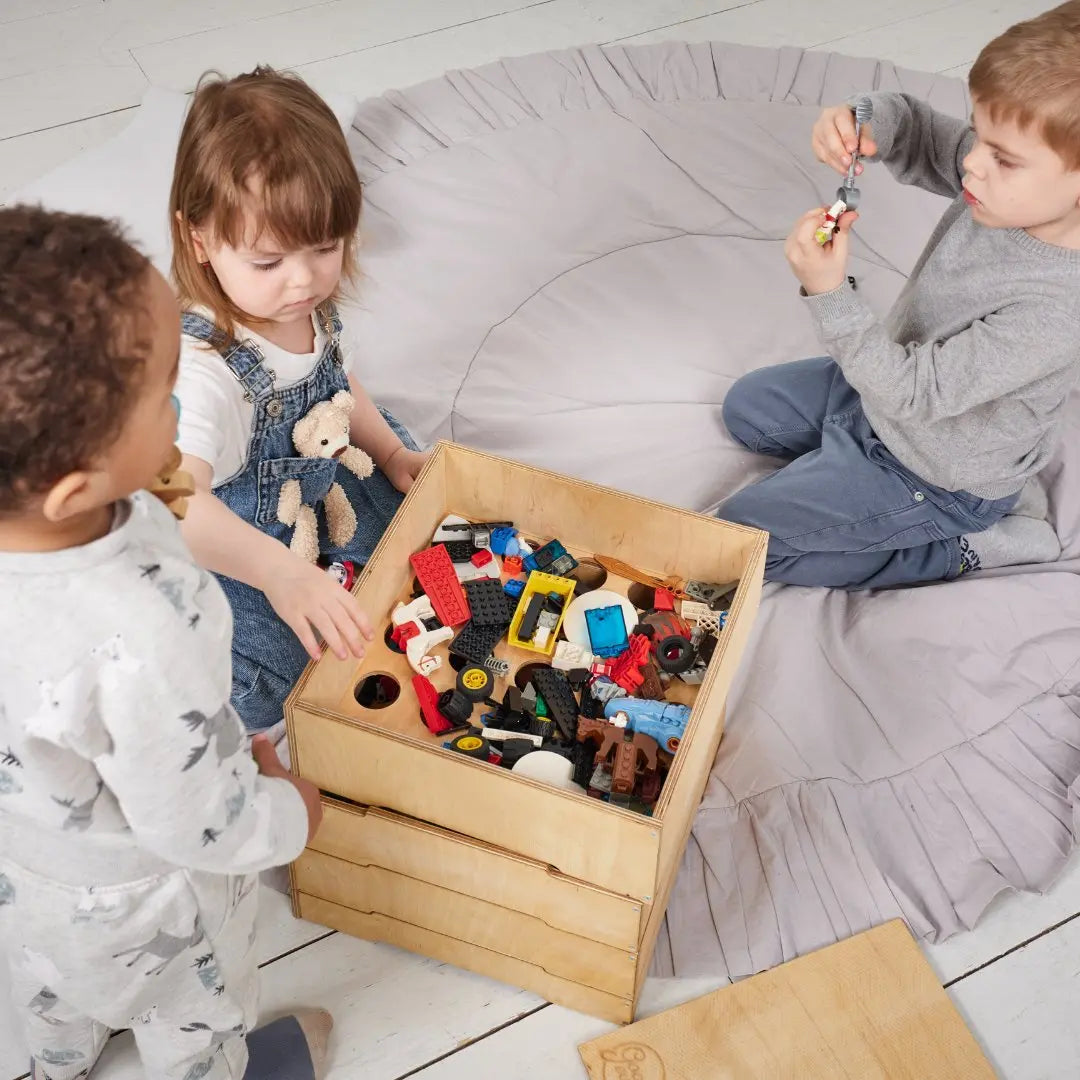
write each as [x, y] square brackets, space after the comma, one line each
[685, 22]
[473, 1041]
[422, 34]
[894, 22]
[297, 948]
[1009, 952]
[68, 123]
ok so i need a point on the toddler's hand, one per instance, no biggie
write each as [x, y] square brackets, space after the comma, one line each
[819, 269]
[833, 139]
[308, 599]
[403, 467]
[269, 764]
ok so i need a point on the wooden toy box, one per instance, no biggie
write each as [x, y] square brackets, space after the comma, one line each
[464, 861]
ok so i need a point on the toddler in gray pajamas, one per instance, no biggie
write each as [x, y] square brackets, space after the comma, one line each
[133, 819]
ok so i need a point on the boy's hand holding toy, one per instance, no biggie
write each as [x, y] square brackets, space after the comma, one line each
[817, 248]
[819, 268]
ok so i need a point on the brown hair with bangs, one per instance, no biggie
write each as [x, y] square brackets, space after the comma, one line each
[261, 145]
[1030, 75]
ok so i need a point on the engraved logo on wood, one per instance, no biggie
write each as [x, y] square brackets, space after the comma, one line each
[632, 1061]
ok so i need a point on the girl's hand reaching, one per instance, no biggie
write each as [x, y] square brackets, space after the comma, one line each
[310, 601]
[833, 139]
[403, 466]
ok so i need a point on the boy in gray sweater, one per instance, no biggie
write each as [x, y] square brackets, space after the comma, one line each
[911, 442]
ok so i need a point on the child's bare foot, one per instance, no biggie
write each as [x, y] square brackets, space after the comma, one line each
[294, 1046]
[316, 1024]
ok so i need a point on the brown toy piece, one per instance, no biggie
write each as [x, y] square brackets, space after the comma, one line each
[616, 566]
[629, 749]
[173, 486]
[652, 688]
[628, 752]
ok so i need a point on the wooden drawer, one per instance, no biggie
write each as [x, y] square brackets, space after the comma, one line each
[451, 950]
[546, 866]
[371, 890]
[376, 838]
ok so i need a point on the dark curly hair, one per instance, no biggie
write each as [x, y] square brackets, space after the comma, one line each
[73, 343]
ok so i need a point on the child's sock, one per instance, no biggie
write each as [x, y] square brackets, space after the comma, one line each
[292, 1048]
[1012, 541]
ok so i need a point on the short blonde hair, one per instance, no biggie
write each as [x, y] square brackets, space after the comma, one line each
[262, 143]
[1030, 75]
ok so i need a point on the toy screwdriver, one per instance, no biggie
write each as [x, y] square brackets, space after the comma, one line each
[847, 195]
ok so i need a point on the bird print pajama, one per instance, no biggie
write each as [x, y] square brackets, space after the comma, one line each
[133, 821]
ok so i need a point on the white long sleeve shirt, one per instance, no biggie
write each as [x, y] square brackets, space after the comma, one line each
[116, 732]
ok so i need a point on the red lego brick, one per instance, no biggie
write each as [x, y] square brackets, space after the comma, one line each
[428, 696]
[512, 565]
[437, 578]
[481, 557]
[663, 600]
[626, 671]
[403, 633]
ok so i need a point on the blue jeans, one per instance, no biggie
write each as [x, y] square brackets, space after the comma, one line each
[267, 656]
[844, 512]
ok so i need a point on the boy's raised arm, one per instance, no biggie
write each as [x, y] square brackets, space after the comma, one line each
[919, 145]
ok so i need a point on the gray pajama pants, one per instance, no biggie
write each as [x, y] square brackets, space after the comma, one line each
[168, 953]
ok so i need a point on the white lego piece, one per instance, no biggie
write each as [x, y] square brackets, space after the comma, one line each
[416, 649]
[542, 637]
[498, 734]
[466, 571]
[568, 656]
[702, 615]
[414, 611]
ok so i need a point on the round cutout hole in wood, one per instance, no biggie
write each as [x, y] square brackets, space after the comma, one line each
[377, 690]
[643, 597]
[523, 675]
[589, 576]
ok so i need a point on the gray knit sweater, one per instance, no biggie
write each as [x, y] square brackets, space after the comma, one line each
[966, 379]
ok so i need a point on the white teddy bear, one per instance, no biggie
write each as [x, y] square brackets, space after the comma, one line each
[323, 432]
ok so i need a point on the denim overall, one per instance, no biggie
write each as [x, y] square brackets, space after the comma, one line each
[267, 656]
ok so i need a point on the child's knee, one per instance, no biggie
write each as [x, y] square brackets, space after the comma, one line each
[741, 409]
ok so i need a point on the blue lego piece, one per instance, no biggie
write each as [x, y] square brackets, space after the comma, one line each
[607, 630]
[661, 720]
[514, 587]
[552, 558]
[504, 541]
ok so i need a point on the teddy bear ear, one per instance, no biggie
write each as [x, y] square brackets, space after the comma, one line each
[343, 400]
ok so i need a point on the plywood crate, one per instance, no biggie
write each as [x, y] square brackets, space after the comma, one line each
[464, 861]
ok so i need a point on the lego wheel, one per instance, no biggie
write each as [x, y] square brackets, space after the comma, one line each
[475, 682]
[675, 654]
[471, 746]
[456, 707]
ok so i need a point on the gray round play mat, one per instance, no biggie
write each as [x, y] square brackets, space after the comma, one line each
[568, 259]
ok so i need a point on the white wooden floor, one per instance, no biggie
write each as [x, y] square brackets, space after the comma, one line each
[71, 71]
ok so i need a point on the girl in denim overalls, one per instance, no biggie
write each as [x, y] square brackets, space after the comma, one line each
[265, 206]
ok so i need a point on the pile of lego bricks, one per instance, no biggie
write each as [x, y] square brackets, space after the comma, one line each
[589, 712]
